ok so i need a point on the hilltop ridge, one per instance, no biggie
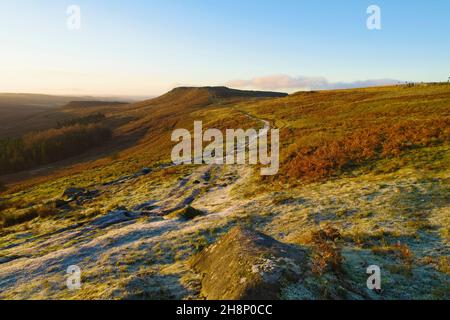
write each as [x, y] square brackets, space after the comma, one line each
[222, 92]
[200, 96]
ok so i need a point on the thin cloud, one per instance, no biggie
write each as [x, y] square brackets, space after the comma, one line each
[277, 82]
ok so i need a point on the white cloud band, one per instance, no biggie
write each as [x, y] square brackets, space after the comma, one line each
[277, 82]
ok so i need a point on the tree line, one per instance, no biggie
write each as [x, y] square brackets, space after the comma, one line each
[38, 148]
[91, 118]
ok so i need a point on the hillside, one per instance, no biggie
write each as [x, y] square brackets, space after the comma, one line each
[364, 180]
[141, 131]
[226, 93]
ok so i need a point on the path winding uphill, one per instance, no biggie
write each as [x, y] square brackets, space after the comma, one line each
[99, 244]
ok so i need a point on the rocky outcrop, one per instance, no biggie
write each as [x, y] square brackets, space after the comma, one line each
[78, 194]
[144, 171]
[186, 213]
[114, 217]
[248, 265]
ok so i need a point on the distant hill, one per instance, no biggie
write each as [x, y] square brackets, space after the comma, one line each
[180, 104]
[226, 93]
[206, 95]
[35, 100]
[92, 103]
[21, 113]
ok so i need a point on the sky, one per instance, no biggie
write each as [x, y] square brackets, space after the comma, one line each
[145, 48]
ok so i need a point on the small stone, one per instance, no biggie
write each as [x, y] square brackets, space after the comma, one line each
[60, 203]
[71, 194]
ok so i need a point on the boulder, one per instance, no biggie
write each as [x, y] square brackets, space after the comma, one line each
[61, 204]
[248, 265]
[79, 194]
[114, 217]
[73, 193]
[146, 206]
[186, 213]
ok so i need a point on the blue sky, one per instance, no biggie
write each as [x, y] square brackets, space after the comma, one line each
[143, 48]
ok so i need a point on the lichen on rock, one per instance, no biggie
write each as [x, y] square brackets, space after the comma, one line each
[245, 264]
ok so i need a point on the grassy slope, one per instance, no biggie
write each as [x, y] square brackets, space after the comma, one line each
[314, 120]
[376, 205]
[142, 135]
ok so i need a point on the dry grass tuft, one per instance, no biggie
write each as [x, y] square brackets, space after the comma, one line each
[326, 251]
[330, 158]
